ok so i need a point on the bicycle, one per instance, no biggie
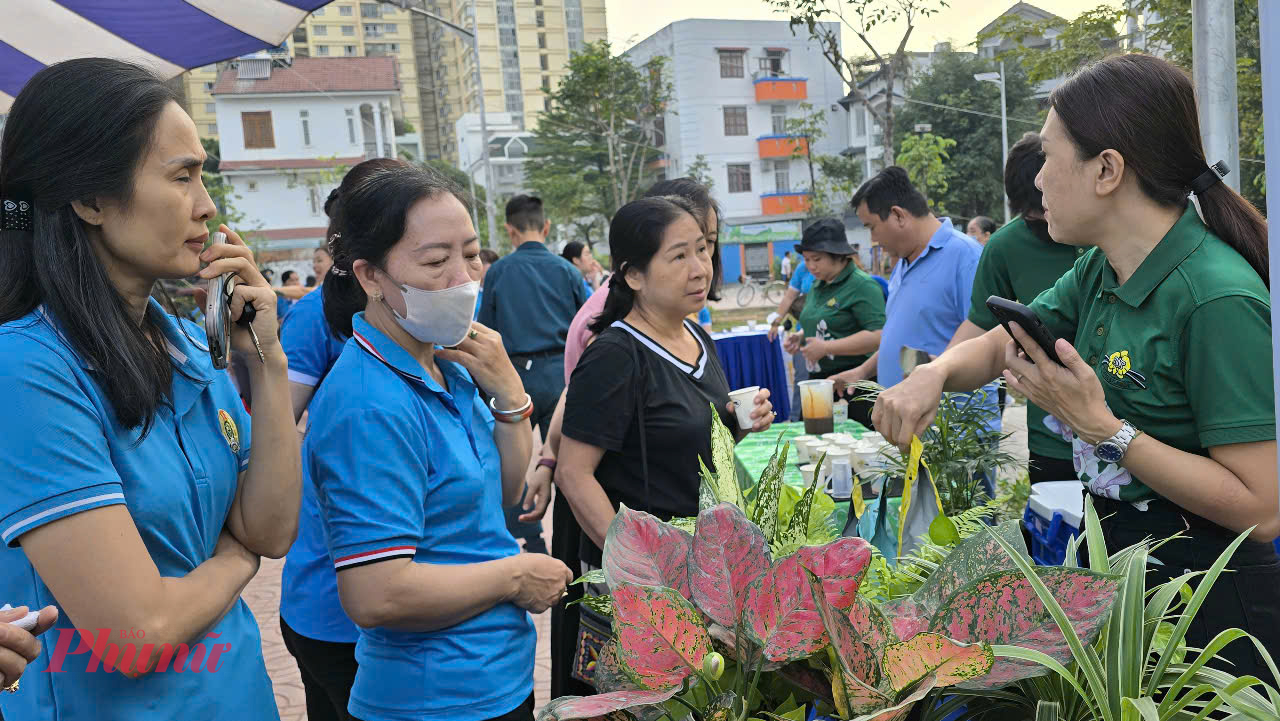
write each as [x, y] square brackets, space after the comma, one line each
[772, 290]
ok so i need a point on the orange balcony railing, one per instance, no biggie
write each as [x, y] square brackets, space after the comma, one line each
[773, 90]
[780, 203]
[782, 146]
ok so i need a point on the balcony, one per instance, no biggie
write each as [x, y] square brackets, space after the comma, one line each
[782, 146]
[780, 89]
[783, 203]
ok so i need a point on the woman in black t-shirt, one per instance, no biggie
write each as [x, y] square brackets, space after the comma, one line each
[638, 412]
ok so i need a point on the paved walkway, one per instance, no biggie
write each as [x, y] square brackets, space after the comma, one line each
[263, 596]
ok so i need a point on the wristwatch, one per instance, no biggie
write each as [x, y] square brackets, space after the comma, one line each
[1113, 449]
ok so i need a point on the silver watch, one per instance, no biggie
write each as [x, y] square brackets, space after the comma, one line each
[1113, 449]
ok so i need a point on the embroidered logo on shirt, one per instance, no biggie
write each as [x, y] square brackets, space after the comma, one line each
[229, 430]
[831, 303]
[1119, 371]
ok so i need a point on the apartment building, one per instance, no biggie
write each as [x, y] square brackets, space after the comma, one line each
[735, 84]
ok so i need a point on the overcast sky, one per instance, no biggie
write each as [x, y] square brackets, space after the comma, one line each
[631, 21]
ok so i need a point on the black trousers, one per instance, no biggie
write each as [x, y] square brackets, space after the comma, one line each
[1246, 596]
[543, 378]
[1044, 468]
[565, 540]
[523, 712]
[328, 670]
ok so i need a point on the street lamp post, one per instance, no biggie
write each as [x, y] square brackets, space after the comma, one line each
[484, 125]
[998, 79]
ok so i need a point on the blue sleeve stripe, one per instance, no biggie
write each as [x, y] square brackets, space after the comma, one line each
[303, 378]
[27, 523]
[378, 554]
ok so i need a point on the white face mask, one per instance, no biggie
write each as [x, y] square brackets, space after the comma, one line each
[441, 317]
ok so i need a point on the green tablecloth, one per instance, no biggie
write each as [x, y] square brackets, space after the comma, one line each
[756, 449]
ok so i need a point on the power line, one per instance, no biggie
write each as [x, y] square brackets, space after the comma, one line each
[1036, 123]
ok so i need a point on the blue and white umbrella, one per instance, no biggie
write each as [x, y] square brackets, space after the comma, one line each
[169, 36]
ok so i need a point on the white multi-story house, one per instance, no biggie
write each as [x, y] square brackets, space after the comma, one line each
[287, 134]
[735, 83]
[509, 147]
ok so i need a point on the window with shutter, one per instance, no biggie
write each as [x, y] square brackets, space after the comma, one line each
[257, 130]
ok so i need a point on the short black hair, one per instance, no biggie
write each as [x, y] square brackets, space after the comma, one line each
[488, 256]
[985, 224]
[1025, 161]
[287, 275]
[524, 213]
[888, 188]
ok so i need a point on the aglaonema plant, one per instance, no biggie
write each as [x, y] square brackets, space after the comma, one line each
[681, 602]
[1139, 666]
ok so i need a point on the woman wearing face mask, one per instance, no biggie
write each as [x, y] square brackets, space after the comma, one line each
[648, 381]
[411, 468]
[1165, 332]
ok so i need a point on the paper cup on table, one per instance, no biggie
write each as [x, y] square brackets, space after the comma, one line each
[837, 438]
[743, 403]
[802, 447]
[872, 437]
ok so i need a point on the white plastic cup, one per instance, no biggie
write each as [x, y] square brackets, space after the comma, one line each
[872, 437]
[840, 479]
[840, 411]
[743, 403]
[802, 447]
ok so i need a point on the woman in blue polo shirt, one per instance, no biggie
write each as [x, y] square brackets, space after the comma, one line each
[132, 499]
[1164, 327]
[315, 630]
[411, 468]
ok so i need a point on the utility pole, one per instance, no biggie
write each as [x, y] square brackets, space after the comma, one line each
[1213, 48]
[998, 79]
[1269, 35]
[484, 124]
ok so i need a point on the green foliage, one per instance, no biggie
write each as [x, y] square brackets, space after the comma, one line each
[700, 170]
[975, 171]
[924, 157]
[1094, 35]
[460, 177]
[1091, 35]
[595, 142]
[862, 17]
[1140, 666]
[957, 447]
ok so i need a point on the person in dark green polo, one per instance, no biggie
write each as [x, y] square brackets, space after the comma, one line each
[843, 312]
[1164, 331]
[530, 298]
[1019, 262]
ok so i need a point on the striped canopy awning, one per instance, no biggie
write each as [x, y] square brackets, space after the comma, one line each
[169, 36]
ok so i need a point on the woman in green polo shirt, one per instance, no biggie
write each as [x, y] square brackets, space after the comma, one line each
[1165, 332]
[843, 312]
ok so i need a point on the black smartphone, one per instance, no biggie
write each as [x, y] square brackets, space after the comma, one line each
[1009, 311]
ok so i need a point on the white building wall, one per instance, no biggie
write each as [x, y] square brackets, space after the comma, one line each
[327, 116]
[267, 201]
[695, 123]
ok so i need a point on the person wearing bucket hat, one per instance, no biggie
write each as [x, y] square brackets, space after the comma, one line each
[843, 312]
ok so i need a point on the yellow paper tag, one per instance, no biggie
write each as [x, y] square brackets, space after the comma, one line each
[914, 462]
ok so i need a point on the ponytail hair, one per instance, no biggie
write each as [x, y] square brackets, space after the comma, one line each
[1144, 108]
[635, 235]
[367, 219]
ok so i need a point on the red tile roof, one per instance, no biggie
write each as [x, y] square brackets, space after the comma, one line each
[290, 233]
[316, 75]
[288, 163]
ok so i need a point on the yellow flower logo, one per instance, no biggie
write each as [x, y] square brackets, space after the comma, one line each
[229, 430]
[1118, 363]
[831, 303]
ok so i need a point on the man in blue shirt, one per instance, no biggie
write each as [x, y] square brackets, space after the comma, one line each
[530, 298]
[930, 286]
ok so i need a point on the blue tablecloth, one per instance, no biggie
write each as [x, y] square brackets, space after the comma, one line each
[749, 359]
